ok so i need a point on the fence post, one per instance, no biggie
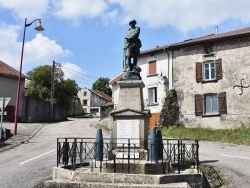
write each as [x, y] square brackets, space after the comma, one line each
[65, 152]
[152, 149]
[178, 146]
[99, 146]
[58, 152]
[128, 154]
[73, 160]
[160, 145]
[197, 154]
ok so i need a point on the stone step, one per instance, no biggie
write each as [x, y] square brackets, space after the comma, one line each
[81, 184]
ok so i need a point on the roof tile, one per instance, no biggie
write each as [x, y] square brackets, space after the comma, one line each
[9, 71]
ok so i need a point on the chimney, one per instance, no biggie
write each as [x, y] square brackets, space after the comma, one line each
[216, 29]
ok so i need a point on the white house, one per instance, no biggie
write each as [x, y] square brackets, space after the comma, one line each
[156, 74]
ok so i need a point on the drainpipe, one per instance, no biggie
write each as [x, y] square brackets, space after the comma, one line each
[170, 84]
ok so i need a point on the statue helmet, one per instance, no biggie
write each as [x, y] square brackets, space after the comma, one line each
[132, 21]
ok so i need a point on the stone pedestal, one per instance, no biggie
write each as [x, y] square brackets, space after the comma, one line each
[130, 119]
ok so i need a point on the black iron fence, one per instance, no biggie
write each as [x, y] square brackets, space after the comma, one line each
[127, 157]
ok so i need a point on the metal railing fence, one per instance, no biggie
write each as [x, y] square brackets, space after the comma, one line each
[73, 153]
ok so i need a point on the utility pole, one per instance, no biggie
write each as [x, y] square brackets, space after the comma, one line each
[52, 92]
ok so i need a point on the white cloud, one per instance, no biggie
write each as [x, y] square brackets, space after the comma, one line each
[78, 9]
[183, 15]
[41, 49]
[38, 51]
[71, 71]
[110, 17]
[31, 9]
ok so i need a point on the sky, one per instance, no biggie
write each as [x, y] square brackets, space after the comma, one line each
[86, 37]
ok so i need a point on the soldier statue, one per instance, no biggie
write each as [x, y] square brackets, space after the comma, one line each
[132, 47]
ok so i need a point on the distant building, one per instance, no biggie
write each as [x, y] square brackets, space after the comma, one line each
[93, 100]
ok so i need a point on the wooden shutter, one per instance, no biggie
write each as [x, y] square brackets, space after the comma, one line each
[198, 105]
[218, 69]
[222, 103]
[198, 72]
[152, 67]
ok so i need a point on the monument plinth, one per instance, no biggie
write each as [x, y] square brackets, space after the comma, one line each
[130, 119]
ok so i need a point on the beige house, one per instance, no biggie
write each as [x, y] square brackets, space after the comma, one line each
[212, 79]
[8, 88]
[210, 74]
[92, 101]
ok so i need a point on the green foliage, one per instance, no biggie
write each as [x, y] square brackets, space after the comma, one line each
[102, 84]
[64, 91]
[236, 136]
[170, 111]
[40, 85]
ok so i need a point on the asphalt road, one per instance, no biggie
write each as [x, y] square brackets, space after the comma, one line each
[29, 164]
[232, 160]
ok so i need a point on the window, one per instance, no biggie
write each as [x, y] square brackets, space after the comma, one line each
[85, 93]
[152, 68]
[84, 102]
[210, 104]
[209, 70]
[152, 95]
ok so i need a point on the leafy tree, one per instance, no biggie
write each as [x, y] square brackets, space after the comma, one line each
[102, 84]
[40, 85]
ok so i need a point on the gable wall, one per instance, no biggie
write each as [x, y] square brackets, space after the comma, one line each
[235, 54]
[8, 89]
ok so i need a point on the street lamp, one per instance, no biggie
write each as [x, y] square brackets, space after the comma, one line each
[38, 28]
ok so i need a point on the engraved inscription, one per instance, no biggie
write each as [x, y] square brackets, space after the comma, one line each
[128, 129]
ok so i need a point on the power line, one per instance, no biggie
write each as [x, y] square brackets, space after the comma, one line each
[78, 72]
[79, 81]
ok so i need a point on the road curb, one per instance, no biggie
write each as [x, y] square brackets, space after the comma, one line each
[33, 134]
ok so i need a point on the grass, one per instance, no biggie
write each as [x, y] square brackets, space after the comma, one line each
[240, 136]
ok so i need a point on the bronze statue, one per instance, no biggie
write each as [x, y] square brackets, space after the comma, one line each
[132, 47]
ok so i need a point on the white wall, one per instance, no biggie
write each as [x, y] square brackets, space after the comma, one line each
[163, 79]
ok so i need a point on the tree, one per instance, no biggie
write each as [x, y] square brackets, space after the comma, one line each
[102, 84]
[40, 85]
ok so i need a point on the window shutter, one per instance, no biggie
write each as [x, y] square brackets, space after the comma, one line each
[198, 105]
[198, 72]
[218, 68]
[222, 103]
[152, 67]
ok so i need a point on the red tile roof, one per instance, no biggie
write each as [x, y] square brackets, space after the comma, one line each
[102, 94]
[7, 70]
[117, 78]
[203, 39]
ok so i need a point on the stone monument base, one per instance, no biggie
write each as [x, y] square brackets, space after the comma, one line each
[140, 167]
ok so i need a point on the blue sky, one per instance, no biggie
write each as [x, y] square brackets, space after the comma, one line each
[86, 36]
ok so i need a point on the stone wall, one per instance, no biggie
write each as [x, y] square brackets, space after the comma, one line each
[235, 55]
[37, 110]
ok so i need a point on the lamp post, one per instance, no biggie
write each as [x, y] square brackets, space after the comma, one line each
[38, 28]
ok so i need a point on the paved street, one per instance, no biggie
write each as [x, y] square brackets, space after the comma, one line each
[232, 160]
[32, 162]
[28, 164]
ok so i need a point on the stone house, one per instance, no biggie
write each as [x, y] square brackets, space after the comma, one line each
[92, 101]
[8, 89]
[210, 75]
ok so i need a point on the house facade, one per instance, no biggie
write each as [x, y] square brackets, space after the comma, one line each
[209, 74]
[92, 101]
[8, 89]
[156, 74]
